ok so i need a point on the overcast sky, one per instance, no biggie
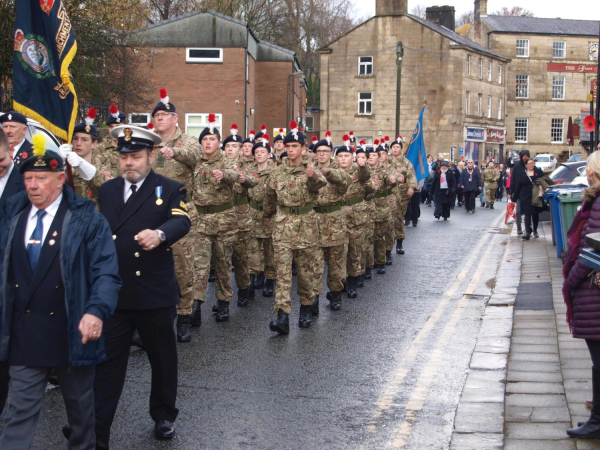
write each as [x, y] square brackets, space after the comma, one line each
[572, 9]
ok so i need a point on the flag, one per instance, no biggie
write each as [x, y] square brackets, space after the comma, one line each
[416, 150]
[44, 47]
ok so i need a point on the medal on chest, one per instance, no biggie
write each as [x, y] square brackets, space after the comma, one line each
[158, 192]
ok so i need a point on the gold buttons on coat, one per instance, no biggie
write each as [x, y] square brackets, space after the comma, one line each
[137, 254]
[16, 285]
[114, 237]
[138, 273]
[51, 313]
[57, 288]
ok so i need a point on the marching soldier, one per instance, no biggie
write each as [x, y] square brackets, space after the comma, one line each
[14, 125]
[106, 156]
[278, 146]
[352, 141]
[491, 175]
[291, 192]
[368, 262]
[382, 152]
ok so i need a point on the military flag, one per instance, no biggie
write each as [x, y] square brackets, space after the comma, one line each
[416, 150]
[44, 46]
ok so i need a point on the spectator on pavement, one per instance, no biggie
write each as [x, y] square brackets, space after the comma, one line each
[501, 183]
[514, 172]
[470, 182]
[524, 193]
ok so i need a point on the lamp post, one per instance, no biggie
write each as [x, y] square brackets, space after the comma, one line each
[400, 55]
[291, 81]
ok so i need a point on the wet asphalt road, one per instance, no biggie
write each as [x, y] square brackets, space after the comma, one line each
[386, 371]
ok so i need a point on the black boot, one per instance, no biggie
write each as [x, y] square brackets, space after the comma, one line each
[368, 275]
[260, 281]
[380, 269]
[415, 222]
[360, 282]
[223, 313]
[305, 316]
[212, 275]
[280, 325]
[243, 299]
[196, 317]
[136, 341]
[399, 249]
[335, 301]
[294, 269]
[406, 222]
[215, 308]
[314, 308]
[590, 429]
[352, 288]
[388, 258]
[183, 328]
[251, 292]
[269, 287]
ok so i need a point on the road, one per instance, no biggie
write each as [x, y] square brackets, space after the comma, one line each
[385, 372]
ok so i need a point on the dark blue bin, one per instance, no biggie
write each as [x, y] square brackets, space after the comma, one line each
[552, 197]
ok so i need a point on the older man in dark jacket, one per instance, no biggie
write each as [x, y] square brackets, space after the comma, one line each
[59, 283]
[470, 182]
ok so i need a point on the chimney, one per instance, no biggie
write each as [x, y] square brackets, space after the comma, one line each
[480, 10]
[391, 7]
[441, 15]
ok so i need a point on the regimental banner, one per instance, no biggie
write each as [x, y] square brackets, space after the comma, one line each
[44, 46]
[578, 68]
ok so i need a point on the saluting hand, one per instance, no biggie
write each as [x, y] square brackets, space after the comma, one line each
[310, 171]
[148, 239]
[90, 328]
[167, 152]
[217, 175]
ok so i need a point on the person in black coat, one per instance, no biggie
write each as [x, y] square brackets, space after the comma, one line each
[523, 191]
[515, 172]
[443, 188]
[470, 182]
[147, 214]
[501, 182]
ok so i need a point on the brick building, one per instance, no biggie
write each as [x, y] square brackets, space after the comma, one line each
[211, 63]
[461, 81]
[553, 68]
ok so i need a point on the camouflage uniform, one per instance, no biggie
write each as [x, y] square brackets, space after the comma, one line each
[290, 198]
[333, 237]
[490, 180]
[186, 152]
[382, 217]
[389, 231]
[217, 224]
[406, 169]
[369, 252]
[260, 244]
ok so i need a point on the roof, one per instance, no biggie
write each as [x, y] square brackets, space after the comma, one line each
[538, 25]
[464, 29]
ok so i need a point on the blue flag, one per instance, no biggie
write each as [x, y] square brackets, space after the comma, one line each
[44, 47]
[416, 151]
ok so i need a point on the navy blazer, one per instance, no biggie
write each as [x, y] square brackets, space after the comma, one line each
[148, 276]
[14, 184]
[24, 152]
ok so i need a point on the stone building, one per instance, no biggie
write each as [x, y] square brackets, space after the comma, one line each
[553, 68]
[462, 82]
[211, 63]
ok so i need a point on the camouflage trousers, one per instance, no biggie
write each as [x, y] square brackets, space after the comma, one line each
[305, 259]
[183, 256]
[261, 257]
[240, 260]
[401, 205]
[381, 236]
[389, 232]
[221, 246]
[490, 193]
[355, 261]
[336, 268]
[369, 257]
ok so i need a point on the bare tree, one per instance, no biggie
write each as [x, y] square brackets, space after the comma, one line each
[465, 18]
[514, 11]
[158, 10]
[419, 11]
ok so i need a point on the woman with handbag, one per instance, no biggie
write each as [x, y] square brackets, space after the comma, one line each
[581, 291]
[524, 191]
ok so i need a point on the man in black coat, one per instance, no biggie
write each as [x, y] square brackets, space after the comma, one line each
[470, 182]
[14, 125]
[147, 214]
[516, 173]
[443, 187]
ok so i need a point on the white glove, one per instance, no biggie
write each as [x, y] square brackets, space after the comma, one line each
[74, 159]
[64, 151]
[86, 170]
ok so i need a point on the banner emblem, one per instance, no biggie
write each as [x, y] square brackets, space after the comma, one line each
[46, 5]
[32, 52]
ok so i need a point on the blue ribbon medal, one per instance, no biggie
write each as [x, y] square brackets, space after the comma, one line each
[159, 200]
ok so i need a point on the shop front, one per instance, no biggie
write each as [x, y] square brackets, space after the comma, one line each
[474, 144]
[494, 144]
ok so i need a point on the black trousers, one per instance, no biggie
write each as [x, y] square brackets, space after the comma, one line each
[4, 379]
[470, 200]
[443, 210]
[459, 195]
[157, 332]
[413, 211]
[529, 218]
[499, 192]
[594, 348]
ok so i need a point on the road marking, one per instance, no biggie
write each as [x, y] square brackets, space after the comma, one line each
[389, 394]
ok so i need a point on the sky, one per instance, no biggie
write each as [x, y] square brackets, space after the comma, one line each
[577, 9]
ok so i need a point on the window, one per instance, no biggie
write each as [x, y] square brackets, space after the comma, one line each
[310, 123]
[204, 55]
[522, 86]
[559, 49]
[468, 103]
[499, 109]
[500, 73]
[468, 64]
[195, 123]
[479, 105]
[489, 109]
[521, 126]
[365, 65]
[365, 103]
[556, 131]
[489, 71]
[523, 48]
[558, 87]
[480, 68]
[139, 119]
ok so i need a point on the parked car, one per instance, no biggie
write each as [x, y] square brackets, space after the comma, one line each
[34, 127]
[566, 172]
[546, 162]
[512, 157]
[574, 157]
[581, 177]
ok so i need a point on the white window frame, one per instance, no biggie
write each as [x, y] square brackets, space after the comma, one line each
[526, 86]
[196, 60]
[499, 73]
[524, 47]
[468, 65]
[489, 71]
[479, 105]
[311, 127]
[525, 122]
[554, 130]
[366, 66]
[203, 123]
[499, 108]
[563, 49]
[366, 102]
[480, 67]
[489, 107]
[558, 87]
[140, 124]
[468, 103]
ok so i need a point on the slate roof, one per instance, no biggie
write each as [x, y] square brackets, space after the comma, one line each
[538, 25]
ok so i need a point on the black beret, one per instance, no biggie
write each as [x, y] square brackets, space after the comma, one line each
[13, 116]
[164, 104]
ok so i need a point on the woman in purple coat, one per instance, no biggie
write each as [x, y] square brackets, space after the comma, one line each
[582, 295]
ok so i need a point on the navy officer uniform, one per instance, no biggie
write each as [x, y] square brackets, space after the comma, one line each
[24, 149]
[148, 299]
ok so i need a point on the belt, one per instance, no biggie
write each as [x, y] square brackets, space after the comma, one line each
[255, 205]
[214, 209]
[296, 209]
[381, 194]
[328, 209]
[353, 201]
[240, 201]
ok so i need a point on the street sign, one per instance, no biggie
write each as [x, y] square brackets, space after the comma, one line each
[461, 151]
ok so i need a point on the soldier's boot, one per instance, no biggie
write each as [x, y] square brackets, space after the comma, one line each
[243, 299]
[305, 316]
[259, 283]
[183, 328]
[269, 287]
[360, 282]
[491, 206]
[281, 325]
[223, 313]
[388, 258]
[196, 316]
[335, 300]
[251, 291]
[368, 275]
[352, 293]
[399, 248]
[380, 269]
[294, 269]
[212, 275]
[314, 308]
[215, 308]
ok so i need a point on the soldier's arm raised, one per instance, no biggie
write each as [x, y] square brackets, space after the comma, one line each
[270, 200]
[337, 177]
[316, 182]
[251, 179]
[230, 171]
[188, 152]
[363, 174]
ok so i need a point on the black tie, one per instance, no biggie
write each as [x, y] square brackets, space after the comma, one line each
[133, 191]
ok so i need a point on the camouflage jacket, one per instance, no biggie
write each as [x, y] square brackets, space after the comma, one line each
[289, 186]
[186, 152]
[240, 193]
[259, 228]
[332, 225]
[106, 161]
[380, 175]
[407, 169]
[358, 214]
[491, 176]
